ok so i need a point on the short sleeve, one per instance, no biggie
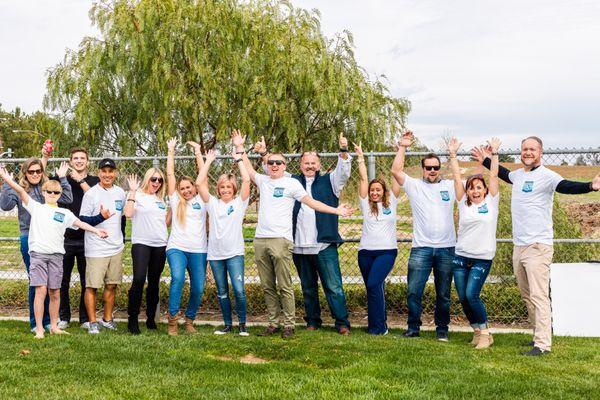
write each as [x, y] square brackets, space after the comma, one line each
[173, 201]
[87, 204]
[32, 205]
[70, 219]
[410, 184]
[212, 203]
[554, 179]
[297, 191]
[259, 178]
[512, 174]
[364, 204]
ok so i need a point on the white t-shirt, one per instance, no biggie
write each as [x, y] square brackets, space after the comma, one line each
[149, 224]
[477, 228]
[432, 207]
[379, 232]
[112, 199]
[48, 226]
[531, 205]
[190, 237]
[277, 198]
[225, 236]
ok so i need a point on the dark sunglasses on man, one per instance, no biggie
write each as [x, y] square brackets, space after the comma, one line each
[275, 162]
[431, 168]
[155, 179]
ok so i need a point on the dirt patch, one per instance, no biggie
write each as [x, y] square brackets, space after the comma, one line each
[587, 216]
[252, 359]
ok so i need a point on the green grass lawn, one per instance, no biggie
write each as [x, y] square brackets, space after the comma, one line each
[312, 365]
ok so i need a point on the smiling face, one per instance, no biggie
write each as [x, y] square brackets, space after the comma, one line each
[476, 190]
[431, 169]
[79, 161]
[51, 191]
[155, 182]
[226, 188]
[310, 164]
[34, 172]
[276, 166]
[186, 189]
[107, 176]
[531, 152]
[376, 192]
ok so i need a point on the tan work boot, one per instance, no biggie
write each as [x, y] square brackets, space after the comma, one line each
[173, 326]
[485, 340]
[189, 325]
[476, 335]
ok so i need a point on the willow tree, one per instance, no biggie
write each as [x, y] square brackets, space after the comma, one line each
[198, 68]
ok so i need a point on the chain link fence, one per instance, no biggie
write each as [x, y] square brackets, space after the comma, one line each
[576, 229]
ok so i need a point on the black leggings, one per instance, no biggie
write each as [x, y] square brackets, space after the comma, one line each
[147, 261]
[72, 253]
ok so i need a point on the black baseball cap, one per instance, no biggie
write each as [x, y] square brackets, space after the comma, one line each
[107, 163]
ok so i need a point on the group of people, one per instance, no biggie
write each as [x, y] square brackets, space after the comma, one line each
[297, 224]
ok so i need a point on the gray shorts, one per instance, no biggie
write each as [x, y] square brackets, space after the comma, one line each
[46, 270]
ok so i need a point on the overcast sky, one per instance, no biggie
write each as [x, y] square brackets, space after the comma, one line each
[474, 68]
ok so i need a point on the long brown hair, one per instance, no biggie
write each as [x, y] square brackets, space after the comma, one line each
[385, 199]
[180, 213]
[23, 182]
[471, 183]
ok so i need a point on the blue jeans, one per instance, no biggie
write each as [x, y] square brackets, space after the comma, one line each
[469, 277]
[31, 294]
[375, 265]
[235, 267]
[324, 265]
[195, 264]
[422, 260]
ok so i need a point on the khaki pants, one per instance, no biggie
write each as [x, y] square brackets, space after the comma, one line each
[532, 270]
[273, 257]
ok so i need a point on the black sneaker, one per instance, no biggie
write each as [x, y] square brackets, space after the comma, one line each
[243, 330]
[441, 336]
[270, 331]
[410, 334]
[536, 351]
[151, 324]
[133, 326]
[227, 329]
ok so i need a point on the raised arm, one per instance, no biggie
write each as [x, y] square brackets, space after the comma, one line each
[363, 179]
[483, 154]
[494, 144]
[66, 196]
[238, 141]
[260, 147]
[245, 189]
[171, 180]
[202, 179]
[398, 164]
[459, 189]
[46, 152]
[7, 176]
[134, 183]
[197, 154]
[87, 227]
[340, 175]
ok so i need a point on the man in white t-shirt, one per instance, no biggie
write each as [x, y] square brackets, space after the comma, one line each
[104, 258]
[533, 188]
[434, 237]
[273, 242]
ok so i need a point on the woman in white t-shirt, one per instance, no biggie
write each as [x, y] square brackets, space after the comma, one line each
[187, 245]
[377, 250]
[225, 238]
[476, 239]
[149, 219]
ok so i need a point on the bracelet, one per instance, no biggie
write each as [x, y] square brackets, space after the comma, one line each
[263, 154]
[343, 149]
[131, 200]
[238, 160]
[79, 182]
[495, 154]
[240, 152]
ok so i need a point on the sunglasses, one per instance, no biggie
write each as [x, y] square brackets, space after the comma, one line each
[155, 179]
[34, 172]
[431, 168]
[56, 192]
[275, 162]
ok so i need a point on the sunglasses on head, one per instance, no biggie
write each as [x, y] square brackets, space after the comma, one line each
[56, 192]
[431, 168]
[34, 172]
[275, 162]
[156, 179]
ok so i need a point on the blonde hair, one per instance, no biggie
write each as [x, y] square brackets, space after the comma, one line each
[146, 181]
[181, 211]
[227, 178]
[51, 184]
[23, 181]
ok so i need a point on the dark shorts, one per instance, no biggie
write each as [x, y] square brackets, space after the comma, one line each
[46, 270]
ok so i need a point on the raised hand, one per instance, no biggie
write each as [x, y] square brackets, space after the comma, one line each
[61, 171]
[342, 141]
[358, 149]
[237, 139]
[494, 144]
[453, 146]
[234, 154]
[480, 153]
[195, 146]
[133, 182]
[210, 156]
[406, 140]
[106, 213]
[260, 146]
[77, 176]
[5, 175]
[171, 144]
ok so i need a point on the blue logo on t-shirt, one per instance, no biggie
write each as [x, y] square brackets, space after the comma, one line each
[482, 209]
[386, 211]
[229, 210]
[528, 186]
[119, 205]
[161, 205]
[278, 192]
[196, 206]
[445, 195]
[59, 217]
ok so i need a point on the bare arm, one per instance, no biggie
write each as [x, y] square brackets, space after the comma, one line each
[171, 180]
[261, 148]
[245, 189]
[398, 164]
[169, 216]
[363, 182]
[133, 183]
[197, 153]
[343, 210]
[459, 189]
[238, 141]
[4, 174]
[87, 227]
[202, 180]
[494, 183]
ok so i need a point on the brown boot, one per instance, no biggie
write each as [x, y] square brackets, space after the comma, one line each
[173, 327]
[476, 335]
[189, 325]
[485, 340]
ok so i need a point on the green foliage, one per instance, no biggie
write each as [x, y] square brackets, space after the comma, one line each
[197, 69]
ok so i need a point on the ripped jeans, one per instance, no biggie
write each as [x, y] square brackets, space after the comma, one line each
[235, 267]
[469, 277]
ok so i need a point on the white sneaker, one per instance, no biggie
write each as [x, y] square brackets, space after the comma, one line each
[227, 329]
[62, 324]
[93, 329]
[85, 325]
[110, 325]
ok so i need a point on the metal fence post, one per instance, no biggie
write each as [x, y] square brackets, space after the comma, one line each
[155, 163]
[371, 167]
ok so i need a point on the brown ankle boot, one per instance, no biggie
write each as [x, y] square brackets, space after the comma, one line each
[189, 325]
[173, 327]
